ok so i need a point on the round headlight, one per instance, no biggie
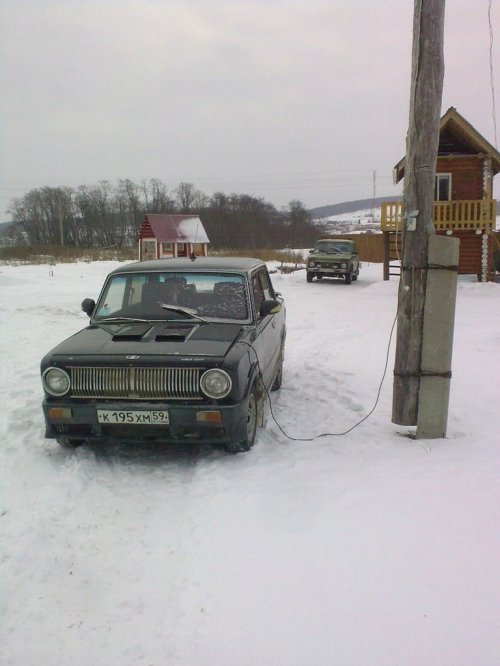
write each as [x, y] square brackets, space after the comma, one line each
[215, 383]
[343, 265]
[56, 381]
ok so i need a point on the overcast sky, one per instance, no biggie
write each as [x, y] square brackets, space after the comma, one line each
[284, 99]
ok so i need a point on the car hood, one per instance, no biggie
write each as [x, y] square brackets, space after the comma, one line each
[108, 342]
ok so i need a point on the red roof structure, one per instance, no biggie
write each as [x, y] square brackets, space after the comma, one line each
[171, 236]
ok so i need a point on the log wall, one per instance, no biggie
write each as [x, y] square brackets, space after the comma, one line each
[466, 175]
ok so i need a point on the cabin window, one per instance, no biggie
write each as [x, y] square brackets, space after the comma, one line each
[148, 249]
[167, 249]
[442, 187]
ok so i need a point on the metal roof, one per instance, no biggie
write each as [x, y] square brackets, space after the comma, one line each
[240, 264]
[175, 228]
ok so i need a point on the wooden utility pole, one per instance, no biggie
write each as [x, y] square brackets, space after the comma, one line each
[418, 202]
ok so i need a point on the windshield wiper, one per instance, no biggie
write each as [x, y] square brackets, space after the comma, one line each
[185, 311]
[132, 320]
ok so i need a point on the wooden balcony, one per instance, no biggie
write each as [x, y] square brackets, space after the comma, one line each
[456, 215]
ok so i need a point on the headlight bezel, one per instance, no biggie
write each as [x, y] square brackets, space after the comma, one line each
[221, 375]
[63, 377]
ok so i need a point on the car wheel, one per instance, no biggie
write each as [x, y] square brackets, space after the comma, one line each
[309, 277]
[70, 443]
[278, 379]
[248, 442]
[348, 278]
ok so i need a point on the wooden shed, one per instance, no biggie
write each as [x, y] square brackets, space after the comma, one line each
[167, 236]
[463, 198]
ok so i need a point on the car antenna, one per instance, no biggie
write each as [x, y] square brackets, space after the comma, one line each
[192, 256]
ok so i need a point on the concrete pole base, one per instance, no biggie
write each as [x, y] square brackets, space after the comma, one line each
[437, 338]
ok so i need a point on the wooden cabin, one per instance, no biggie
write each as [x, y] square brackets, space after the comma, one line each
[167, 236]
[463, 198]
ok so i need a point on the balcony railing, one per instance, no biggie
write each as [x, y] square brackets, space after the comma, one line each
[457, 215]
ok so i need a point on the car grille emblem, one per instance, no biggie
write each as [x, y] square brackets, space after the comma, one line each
[133, 357]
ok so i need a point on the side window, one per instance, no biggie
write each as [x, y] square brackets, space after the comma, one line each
[266, 285]
[262, 288]
[258, 293]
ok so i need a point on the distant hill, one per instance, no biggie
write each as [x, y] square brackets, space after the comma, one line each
[4, 226]
[348, 207]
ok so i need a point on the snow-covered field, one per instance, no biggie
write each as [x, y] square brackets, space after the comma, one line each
[369, 549]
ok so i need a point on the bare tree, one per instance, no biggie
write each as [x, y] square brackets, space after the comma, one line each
[185, 196]
[44, 215]
[159, 201]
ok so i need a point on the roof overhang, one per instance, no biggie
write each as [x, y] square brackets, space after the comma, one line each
[456, 123]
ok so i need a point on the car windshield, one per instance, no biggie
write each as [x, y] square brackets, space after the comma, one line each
[333, 247]
[191, 295]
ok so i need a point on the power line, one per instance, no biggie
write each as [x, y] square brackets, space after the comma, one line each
[493, 109]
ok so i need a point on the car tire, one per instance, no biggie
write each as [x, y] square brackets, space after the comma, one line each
[309, 277]
[276, 385]
[348, 278]
[70, 443]
[247, 443]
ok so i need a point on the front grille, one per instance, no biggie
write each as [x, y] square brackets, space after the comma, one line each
[136, 383]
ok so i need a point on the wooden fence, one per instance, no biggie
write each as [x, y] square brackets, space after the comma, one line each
[370, 246]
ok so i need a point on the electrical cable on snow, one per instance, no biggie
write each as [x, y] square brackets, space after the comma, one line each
[345, 432]
[332, 434]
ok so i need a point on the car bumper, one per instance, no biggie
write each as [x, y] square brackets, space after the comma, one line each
[189, 423]
[332, 272]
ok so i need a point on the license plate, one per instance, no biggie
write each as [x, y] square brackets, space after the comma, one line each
[150, 417]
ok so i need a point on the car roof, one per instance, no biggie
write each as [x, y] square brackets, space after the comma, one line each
[334, 240]
[241, 264]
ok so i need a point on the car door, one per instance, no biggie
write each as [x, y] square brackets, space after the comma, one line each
[269, 329]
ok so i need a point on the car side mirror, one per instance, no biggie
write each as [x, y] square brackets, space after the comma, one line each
[310, 251]
[88, 306]
[269, 307]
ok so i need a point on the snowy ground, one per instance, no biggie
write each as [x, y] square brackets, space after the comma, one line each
[370, 549]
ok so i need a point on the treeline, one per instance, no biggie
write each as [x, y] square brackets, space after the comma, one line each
[106, 215]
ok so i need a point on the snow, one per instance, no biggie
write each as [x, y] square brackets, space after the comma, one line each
[192, 229]
[370, 548]
[354, 222]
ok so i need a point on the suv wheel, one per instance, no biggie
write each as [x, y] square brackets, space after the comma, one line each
[348, 278]
[309, 276]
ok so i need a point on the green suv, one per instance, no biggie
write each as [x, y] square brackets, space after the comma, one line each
[333, 257]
